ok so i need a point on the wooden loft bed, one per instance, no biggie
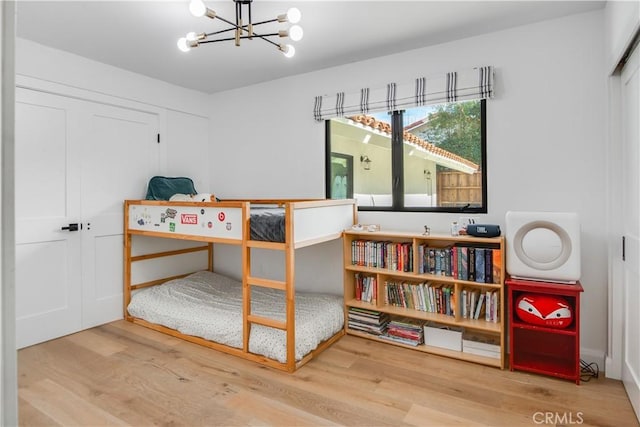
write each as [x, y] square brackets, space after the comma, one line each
[306, 222]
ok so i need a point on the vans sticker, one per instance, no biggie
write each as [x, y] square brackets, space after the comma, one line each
[189, 219]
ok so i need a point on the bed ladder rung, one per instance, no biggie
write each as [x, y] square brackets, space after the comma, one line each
[267, 283]
[267, 322]
[265, 245]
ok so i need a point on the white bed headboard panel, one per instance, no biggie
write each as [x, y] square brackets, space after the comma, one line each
[320, 223]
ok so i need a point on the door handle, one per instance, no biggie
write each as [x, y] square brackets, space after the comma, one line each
[70, 227]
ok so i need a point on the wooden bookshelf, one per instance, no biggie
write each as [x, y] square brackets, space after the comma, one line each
[372, 257]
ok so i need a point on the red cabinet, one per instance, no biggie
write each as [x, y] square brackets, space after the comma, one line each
[541, 346]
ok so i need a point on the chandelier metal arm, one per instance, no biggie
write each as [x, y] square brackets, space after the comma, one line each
[235, 27]
[233, 24]
[262, 36]
[266, 22]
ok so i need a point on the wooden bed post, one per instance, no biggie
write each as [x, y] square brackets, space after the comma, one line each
[210, 255]
[246, 272]
[289, 263]
[127, 262]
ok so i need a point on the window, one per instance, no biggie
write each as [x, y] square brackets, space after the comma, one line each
[422, 159]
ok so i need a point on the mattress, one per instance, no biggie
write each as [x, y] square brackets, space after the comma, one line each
[209, 305]
[267, 224]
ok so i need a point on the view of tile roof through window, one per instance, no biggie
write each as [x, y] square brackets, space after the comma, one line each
[410, 138]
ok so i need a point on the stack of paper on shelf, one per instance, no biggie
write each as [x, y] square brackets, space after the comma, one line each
[481, 344]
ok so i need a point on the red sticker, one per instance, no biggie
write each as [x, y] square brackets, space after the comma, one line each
[221, 216]
[188, 218]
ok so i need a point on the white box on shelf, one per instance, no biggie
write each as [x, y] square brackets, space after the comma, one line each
[443, 336]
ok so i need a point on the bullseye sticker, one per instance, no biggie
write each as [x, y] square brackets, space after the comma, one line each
[189, 219]
[221, 216]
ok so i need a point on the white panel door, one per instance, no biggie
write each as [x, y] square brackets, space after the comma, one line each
[76, 161]
[119, 156]
[48, 275]
[631, 228]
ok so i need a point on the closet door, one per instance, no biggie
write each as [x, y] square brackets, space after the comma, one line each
[119, 156]
[631, 228]
[76, 161]
[48, 270]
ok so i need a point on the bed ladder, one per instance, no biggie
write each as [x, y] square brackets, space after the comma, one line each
[287, 286]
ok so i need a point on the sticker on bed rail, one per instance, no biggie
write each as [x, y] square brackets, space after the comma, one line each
[221, 216]
[189, 219]
[142, 218]
[169, 213]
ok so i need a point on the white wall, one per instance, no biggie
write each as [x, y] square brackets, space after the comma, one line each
[188, 148]
[545, 130]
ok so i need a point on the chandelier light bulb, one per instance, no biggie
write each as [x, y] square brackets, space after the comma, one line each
[183, 44]
[296, 33]
[288, 50]
[191, 36]
[197, 8]
[294, 15]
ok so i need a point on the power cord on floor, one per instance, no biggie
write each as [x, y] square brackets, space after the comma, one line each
[588, 370]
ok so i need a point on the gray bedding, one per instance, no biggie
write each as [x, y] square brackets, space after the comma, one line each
[209, 305]
[267, 224]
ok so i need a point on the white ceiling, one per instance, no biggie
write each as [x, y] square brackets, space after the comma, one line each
[141, 36]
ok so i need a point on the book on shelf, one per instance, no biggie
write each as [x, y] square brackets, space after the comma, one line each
[454, 262]
[492, 306]
[471, 264]
[463, 263]
[464, 303]
[404, 330]
[488, 265]
[366, 288]
[369, 321]
[480, 306]
[496, 266]
[471, 304]
[480, 265]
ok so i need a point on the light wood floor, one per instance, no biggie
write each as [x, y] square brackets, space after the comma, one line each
[124, 374]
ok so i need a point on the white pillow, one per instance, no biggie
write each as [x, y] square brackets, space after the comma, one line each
[200, 197]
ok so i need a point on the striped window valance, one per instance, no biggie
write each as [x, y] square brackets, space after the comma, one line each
[476, 83]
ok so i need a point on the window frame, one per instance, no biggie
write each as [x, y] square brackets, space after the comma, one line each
[397, 169]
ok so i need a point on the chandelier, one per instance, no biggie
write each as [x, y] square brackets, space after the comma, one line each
[242, 29]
